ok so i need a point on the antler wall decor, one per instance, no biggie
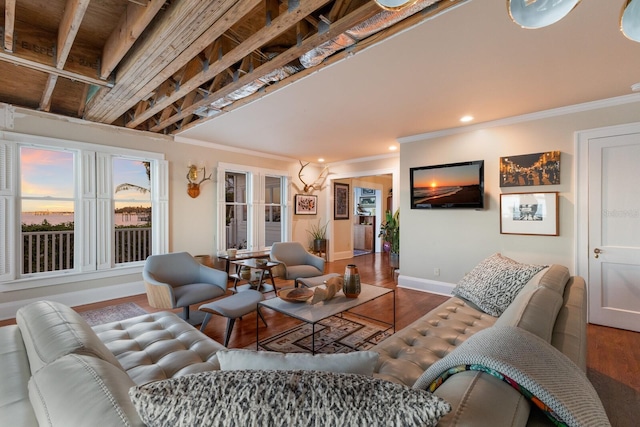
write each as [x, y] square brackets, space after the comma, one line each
[193, 188]
[315, 185]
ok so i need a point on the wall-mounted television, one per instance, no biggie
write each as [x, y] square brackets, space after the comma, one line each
[454, 185]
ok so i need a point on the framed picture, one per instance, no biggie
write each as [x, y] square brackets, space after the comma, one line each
[530, 169]
[529, 213]
[306, 205]
[368, 192]
[340, 201]
[368, 202]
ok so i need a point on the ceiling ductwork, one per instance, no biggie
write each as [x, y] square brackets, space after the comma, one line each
[314, 57]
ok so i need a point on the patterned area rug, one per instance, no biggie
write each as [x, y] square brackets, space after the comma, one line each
[112, 313]
[332, 335]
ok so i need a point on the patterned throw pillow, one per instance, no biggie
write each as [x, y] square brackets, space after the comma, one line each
[284, 398]
[494, 283]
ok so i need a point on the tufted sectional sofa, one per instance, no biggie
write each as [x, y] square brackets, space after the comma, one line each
[552, 305]
[55, 370]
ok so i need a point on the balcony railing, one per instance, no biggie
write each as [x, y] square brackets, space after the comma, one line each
[53, 250]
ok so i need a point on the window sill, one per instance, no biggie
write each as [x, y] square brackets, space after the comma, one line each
[70, 277]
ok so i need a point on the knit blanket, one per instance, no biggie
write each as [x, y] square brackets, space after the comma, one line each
[548, 378]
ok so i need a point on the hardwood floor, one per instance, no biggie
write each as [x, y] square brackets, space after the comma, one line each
[611, 352]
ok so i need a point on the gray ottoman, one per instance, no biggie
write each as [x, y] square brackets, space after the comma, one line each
[310, 282]
[232, 307]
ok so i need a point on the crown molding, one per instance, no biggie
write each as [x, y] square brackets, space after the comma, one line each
[555, 112]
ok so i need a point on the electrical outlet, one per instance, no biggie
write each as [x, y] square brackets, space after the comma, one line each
[436, 271]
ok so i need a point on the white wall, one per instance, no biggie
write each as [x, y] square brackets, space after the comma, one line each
[455, 240]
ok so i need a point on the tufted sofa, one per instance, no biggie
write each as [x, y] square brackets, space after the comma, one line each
[55, 370]
[552, 305]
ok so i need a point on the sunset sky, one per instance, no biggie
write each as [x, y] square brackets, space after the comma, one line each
[446, 177]
[49, 173]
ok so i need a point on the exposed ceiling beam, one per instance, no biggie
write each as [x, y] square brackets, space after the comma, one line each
[9, 23]
[131, 25]
[364, 12]
[177, 28]
[45, 102]
[34, 65]
[278, 26]
[72, 17]
[73, 13]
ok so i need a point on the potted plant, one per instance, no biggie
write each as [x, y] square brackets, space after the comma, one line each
[318, 234]
[390, 233]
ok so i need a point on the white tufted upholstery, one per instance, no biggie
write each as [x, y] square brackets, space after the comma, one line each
[158, 346]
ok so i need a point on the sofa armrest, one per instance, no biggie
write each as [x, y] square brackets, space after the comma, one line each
[471, 393]
[15, 407]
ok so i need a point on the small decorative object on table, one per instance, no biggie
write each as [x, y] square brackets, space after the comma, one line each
[295, 294]
[245, 272]
[351, 286]
[333, 285]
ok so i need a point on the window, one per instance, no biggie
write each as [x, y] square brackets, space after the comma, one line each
[48, 208]
[273, 209]
[68, 207]
[132, 215]
[253, 215]
[236, 210]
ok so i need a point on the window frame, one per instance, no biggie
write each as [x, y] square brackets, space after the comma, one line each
[256, 206]
[94, 210]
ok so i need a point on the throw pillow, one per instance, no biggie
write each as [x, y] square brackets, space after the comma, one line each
[284, 398]
[357, 362]
[494, 283]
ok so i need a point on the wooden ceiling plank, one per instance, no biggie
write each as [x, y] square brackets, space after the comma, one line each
[9, 24]
[279, 25]
[34, 65]
[45, 102]
[135, 19]
[357, 16]
[167, 48]
[73, 14]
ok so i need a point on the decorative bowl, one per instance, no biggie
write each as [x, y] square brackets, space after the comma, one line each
[295, 294]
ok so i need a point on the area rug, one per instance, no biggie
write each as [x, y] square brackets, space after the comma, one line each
[332, 335]
[112, 313]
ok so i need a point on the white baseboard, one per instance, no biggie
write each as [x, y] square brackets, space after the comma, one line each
[424, 285]
[8, 309]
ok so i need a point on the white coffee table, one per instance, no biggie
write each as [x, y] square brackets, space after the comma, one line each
[314, 313]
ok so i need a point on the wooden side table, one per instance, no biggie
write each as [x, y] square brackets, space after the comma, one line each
[265, 273]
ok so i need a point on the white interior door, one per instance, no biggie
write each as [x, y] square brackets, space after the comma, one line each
[614, 231]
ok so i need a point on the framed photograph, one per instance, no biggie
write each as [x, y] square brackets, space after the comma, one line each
[368, 202]
[340, 201]
[529, 213]
[530, 169]
[306, 205]
[368, 192]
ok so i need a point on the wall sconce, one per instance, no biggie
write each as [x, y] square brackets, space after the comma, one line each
[193, 188]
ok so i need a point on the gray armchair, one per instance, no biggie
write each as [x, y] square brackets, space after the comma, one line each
[178, 280]
[296, 260]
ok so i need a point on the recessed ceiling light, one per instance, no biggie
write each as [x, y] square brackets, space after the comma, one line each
[465, 119]
[321, 160]
[393, 148]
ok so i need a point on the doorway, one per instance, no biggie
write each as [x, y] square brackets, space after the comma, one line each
[608, 218]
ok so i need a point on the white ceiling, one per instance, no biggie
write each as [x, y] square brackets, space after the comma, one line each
[470, 60]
